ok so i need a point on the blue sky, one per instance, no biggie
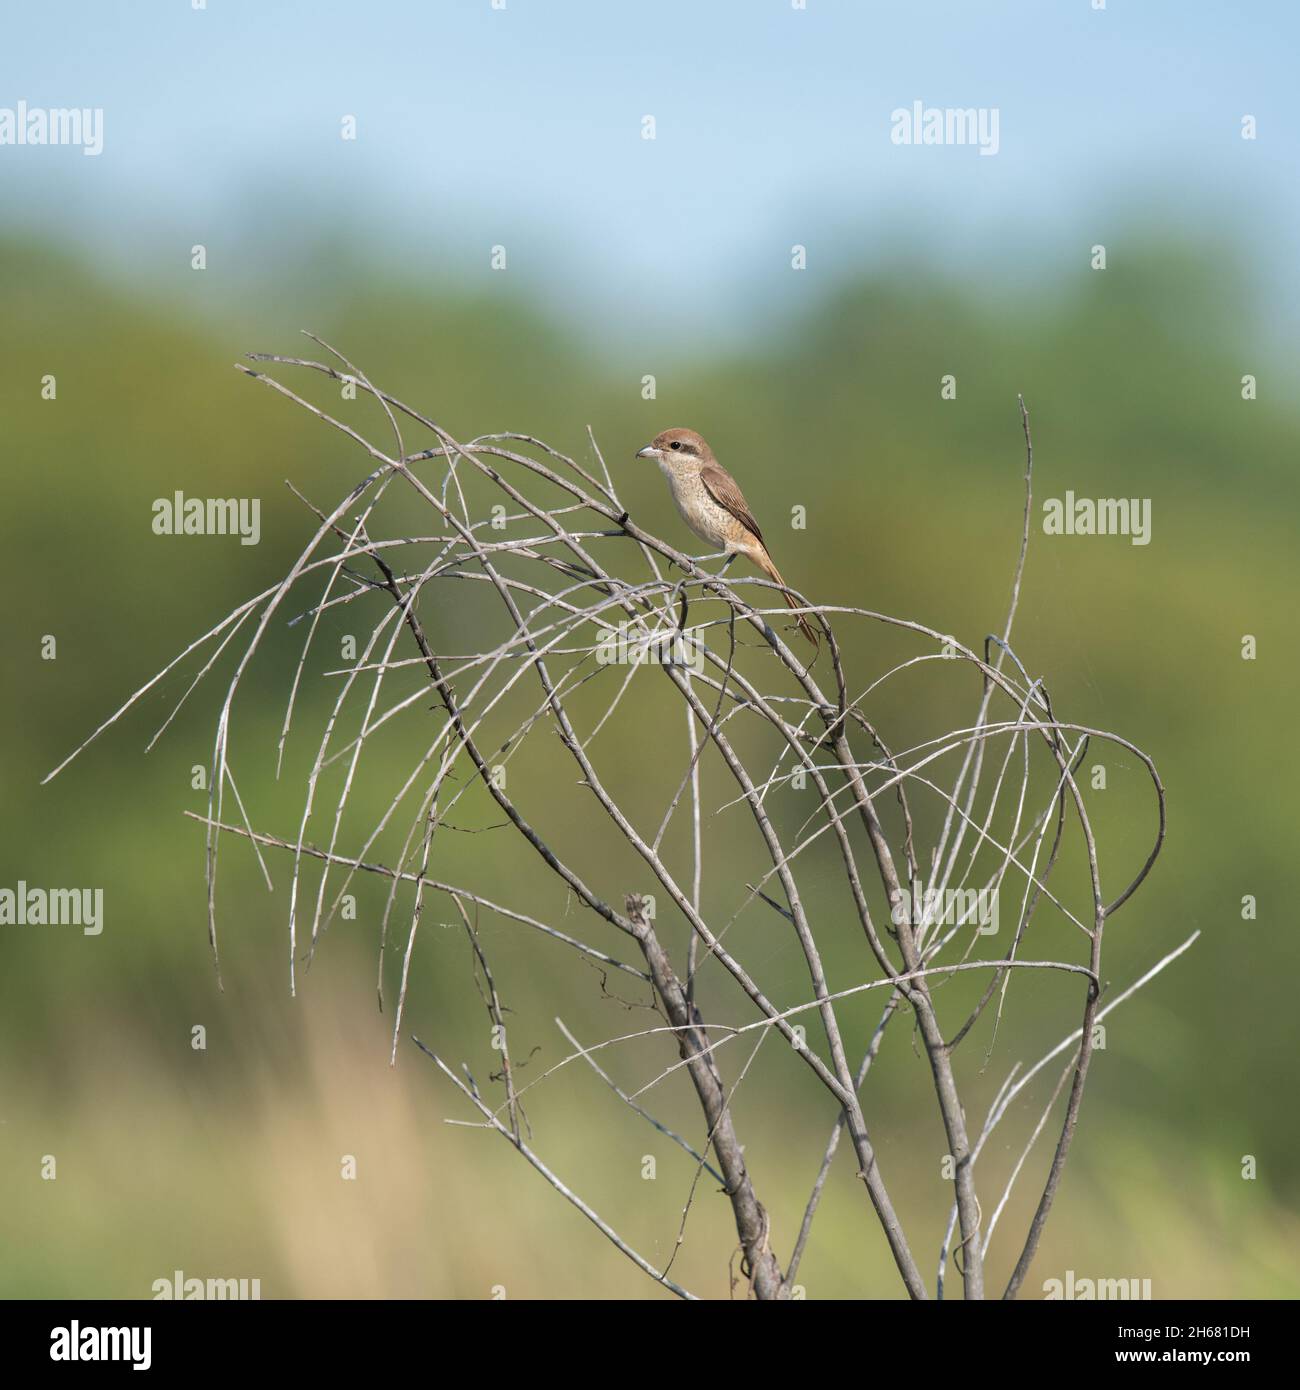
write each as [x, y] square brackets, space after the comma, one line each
[522, 127]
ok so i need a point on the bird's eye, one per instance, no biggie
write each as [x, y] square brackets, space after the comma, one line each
[676, 444]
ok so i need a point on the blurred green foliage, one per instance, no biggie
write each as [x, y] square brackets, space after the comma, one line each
[226, 1162]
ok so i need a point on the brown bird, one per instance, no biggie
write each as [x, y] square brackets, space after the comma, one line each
[713, 506]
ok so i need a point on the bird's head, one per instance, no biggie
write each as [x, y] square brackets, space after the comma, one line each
[677, 449]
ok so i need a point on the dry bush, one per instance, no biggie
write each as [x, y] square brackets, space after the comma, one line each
[519, 536]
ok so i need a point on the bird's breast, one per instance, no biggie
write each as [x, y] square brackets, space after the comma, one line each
[697, 508]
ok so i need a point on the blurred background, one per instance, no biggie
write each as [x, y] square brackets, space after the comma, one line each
[353, 174]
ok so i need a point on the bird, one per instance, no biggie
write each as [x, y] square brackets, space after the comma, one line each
[711, 503]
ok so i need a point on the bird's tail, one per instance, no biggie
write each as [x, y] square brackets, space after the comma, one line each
[764, 561]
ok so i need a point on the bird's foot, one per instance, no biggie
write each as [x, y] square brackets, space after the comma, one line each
[726, 556]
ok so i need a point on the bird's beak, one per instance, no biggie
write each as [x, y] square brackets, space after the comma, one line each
[649, 452]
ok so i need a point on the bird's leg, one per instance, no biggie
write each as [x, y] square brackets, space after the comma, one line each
[698, 560]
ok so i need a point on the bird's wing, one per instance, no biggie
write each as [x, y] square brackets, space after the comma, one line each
[722, 488]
